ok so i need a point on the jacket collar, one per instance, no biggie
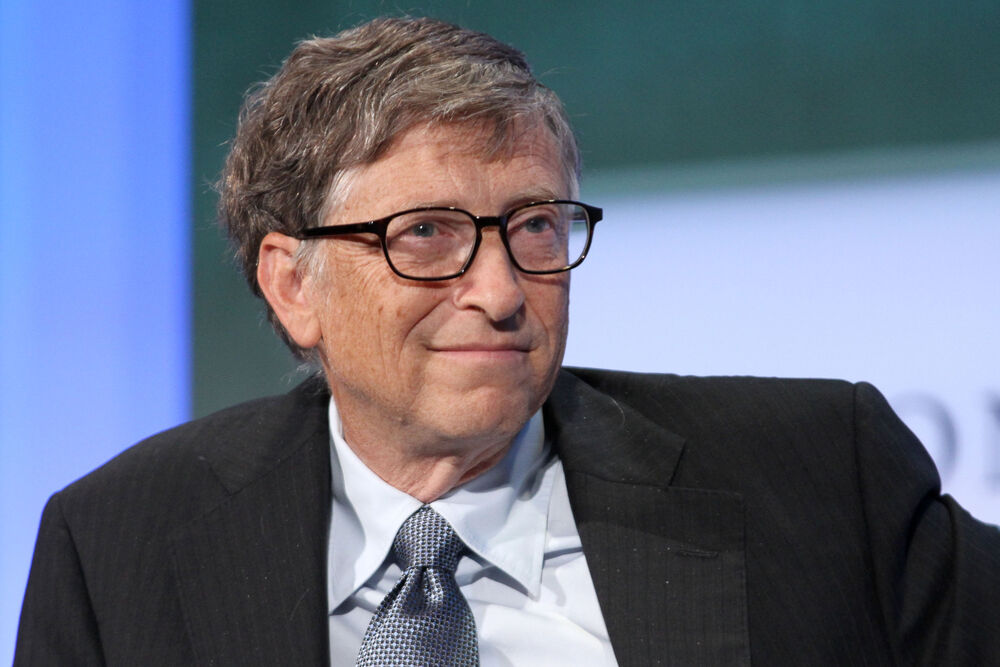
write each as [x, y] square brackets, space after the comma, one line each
[598, 434]
[251, 570]
[667, 563]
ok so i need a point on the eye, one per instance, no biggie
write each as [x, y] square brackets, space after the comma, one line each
[534, 221]
[423, 230]
[536, 225]
[435, 227]
[418, 228]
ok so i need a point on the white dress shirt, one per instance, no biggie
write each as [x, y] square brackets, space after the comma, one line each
[526, 579]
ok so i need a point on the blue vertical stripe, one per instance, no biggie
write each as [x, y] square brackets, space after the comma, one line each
[94, 269]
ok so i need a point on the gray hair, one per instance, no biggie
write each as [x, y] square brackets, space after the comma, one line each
[339, 103]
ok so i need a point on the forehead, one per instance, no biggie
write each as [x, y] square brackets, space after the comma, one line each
[456, 165]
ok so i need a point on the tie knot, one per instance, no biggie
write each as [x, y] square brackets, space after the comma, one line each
[427, 540]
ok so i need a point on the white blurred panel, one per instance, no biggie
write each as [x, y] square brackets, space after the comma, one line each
[894, 281]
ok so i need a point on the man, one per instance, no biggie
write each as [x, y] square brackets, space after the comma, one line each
[403, 196]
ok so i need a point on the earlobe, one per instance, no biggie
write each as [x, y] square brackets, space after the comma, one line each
[285, 289]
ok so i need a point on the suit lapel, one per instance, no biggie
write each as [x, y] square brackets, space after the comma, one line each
[251, 572]
[667, 563]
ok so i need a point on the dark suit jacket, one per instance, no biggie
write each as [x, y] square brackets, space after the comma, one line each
[724, 521]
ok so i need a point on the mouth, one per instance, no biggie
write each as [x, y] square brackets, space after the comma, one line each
[482, 347]
[483, 352]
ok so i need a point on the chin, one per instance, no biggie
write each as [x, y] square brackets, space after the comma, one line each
[485, 417]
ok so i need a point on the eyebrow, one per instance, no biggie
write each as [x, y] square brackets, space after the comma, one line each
[520, 200]
[541, 195]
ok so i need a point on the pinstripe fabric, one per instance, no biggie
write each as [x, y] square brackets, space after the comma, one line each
[204, 545]
[724, 520]
[799, 518]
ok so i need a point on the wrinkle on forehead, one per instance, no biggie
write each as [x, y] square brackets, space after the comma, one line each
[484, 140]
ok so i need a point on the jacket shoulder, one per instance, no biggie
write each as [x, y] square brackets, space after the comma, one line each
[205, 459]
[732, 425]
[682, 402]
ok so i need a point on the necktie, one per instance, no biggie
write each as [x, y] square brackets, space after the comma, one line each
[424, 620]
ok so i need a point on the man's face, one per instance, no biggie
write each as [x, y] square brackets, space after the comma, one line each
[447, 363]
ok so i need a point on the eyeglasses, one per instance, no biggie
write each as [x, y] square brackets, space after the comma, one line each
[438, 243]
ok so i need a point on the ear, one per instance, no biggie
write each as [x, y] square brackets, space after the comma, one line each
[285, 290]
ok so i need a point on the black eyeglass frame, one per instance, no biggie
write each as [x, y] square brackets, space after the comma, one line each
[380, 226]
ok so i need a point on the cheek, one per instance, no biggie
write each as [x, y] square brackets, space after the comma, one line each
[548, 298]
[347, 296]
[371, 313]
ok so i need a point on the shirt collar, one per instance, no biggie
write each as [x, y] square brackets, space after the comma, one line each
[501, 515]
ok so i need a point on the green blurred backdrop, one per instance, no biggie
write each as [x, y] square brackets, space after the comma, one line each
[658, 91]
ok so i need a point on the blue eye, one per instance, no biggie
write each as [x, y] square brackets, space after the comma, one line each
[536, 225]
[424, 230]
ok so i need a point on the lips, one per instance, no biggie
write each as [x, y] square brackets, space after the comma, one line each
[482, 347]
[491, 355]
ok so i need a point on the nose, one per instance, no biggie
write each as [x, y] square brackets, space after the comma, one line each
[491, 284]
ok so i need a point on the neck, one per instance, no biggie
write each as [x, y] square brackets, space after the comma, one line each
[426, 475]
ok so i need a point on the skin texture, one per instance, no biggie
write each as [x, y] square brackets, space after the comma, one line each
[432, 380]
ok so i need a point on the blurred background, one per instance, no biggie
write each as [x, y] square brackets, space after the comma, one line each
[791, 187]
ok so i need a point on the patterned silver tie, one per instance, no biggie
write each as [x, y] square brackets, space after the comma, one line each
[424, 620]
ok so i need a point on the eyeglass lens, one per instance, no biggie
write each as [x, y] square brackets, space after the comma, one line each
[438, 242]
